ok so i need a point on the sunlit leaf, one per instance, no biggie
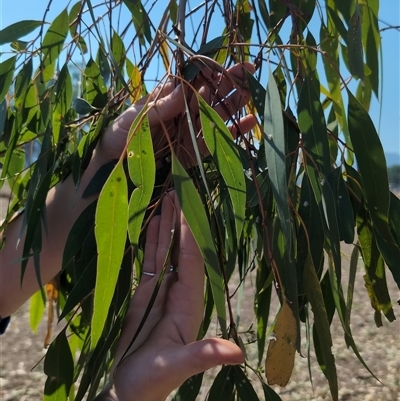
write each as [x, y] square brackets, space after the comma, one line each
[36, 309]
[111, 218]
[142, 169]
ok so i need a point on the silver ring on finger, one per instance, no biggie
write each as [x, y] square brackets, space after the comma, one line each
[150, 274]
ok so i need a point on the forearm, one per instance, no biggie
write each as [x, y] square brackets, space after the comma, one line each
[64, 204]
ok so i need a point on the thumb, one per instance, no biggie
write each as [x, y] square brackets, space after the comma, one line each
[202, 355]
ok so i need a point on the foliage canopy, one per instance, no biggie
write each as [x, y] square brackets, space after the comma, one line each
[276, 202]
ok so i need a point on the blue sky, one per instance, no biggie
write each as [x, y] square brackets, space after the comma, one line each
[388, 123]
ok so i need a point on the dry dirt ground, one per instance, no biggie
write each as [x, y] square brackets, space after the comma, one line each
[20, 350]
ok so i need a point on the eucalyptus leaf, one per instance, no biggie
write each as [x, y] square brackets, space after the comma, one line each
[18, 30]
[196, 218]
[220, 143]
[6, 75]
[111, 218]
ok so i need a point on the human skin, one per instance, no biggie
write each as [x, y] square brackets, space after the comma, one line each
[64, 202]
[166, 352]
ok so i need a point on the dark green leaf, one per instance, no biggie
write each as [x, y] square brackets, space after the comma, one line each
[110, 230]
[275, 150]
[371, 39]
[118, 50]
[352, 278]
[94, 88]
[18, 30]
[59, 368]
[23, 79]
[81, 289]
[355, 48]
[196, 217]
[344, 207]
[75, 16]
[375, 277]
[140, 20]
[310, 237]
[226, 156]
[372, 167]
[243, 386]
[189, 390]
[313, 127]
[81, 106]
[269, 393]
[6, 75]
[3, 116]
[223, 385]
[394, 215]
[99, 179]
[209, 49]
[314, 295]
[262, 304]
[104, 65]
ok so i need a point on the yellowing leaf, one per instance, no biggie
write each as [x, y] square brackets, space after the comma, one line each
[282, 349]
[163, 49]
[136, 85]
[250, 109]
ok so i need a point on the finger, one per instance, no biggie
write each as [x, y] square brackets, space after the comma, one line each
[190, 285]
[216, 87]
[202, 355]
[149, 264]
[245, 124]
[161, 90]
[232, 104]
[165, 108]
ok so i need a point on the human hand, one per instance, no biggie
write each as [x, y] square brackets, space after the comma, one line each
[166, 352]
[167, 103]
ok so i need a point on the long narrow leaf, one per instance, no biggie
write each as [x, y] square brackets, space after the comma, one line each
[314, 294]
[110, 230]
[196, 218]
[226, 156]
[275, 149]
[142, 169]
